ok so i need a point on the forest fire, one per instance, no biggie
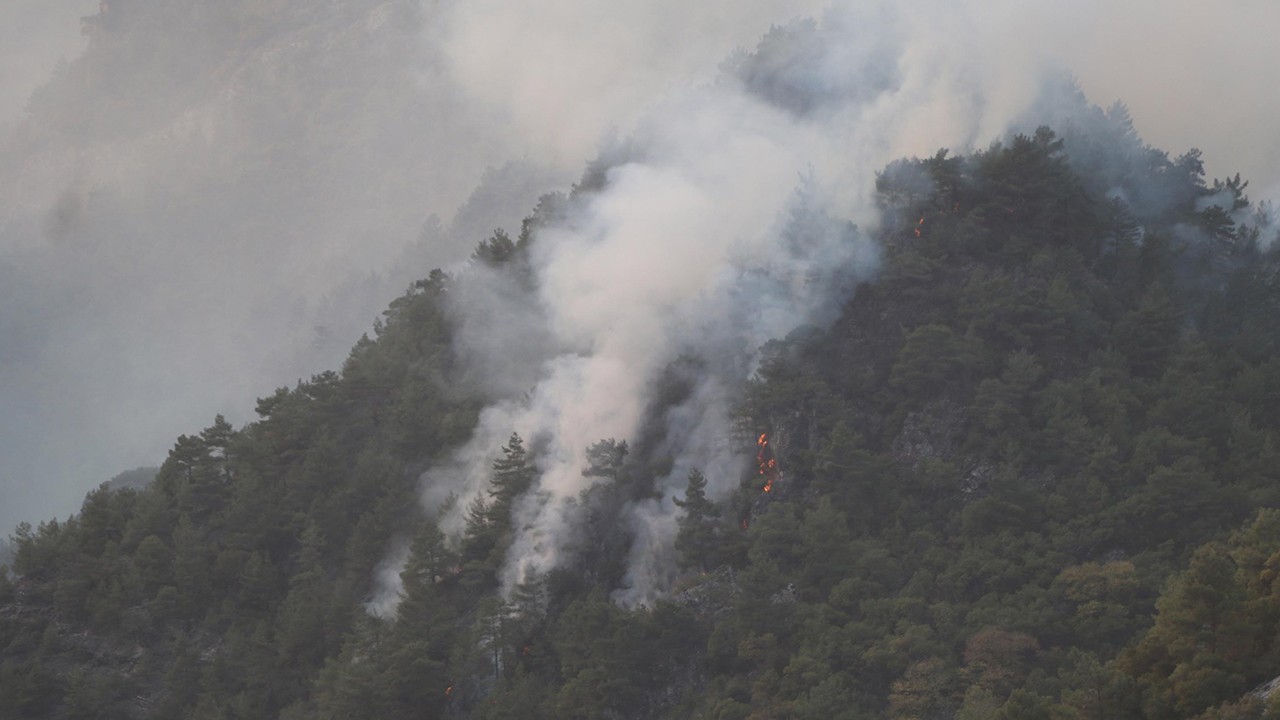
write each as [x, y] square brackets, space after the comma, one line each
[919, 226]
[767, 469]
[766, 462]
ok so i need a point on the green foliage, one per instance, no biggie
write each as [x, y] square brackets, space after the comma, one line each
[495, 251]
[699, 537]
[931, 357]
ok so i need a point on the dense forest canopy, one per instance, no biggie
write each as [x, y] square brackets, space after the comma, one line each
[1015, 457]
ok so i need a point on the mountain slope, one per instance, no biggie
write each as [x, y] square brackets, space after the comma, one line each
[1002, 481]
[990, 466]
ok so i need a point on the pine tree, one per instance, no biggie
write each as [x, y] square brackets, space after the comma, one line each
[605, 459]
[513, 474]
[699, 528]
[425, 630]
[1148, 334]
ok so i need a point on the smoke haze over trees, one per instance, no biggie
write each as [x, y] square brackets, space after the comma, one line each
[778, 410]
[204, 203]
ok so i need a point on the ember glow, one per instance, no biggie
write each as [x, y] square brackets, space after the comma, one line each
[766, 463]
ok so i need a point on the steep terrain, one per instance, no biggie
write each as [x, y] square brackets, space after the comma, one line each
[1027, 470]
[213, 200]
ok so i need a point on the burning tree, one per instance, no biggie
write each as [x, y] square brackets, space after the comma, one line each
[767, 474]
[766, 463]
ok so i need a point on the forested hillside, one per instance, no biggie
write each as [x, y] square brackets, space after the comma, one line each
[1028, 471]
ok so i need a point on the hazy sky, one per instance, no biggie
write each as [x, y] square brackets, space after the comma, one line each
[1193, 74]
[191, 218]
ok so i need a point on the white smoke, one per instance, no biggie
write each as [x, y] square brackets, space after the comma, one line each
[388, 585]
[700, 244]
[698, 436]
[165, 253]
[213, 200]
[36, 36]
[692, 248]
[561, 72]
[662, 261]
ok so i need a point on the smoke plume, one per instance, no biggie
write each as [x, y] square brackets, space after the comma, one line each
[207, 201]
[715, 225]
[729, 216]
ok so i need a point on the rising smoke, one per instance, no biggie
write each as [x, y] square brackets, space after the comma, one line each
[211, 201]
[714, 229]
[215, 199]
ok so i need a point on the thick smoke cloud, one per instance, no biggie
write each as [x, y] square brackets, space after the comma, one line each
[700, 244]
[564, 71]
[628, 281]
[211, 201]
[36, 36]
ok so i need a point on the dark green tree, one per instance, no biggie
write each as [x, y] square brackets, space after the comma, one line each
[698, 538]
[513, 475]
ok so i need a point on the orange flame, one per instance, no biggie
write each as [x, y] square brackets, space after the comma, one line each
[448, 692]
[766, 463]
